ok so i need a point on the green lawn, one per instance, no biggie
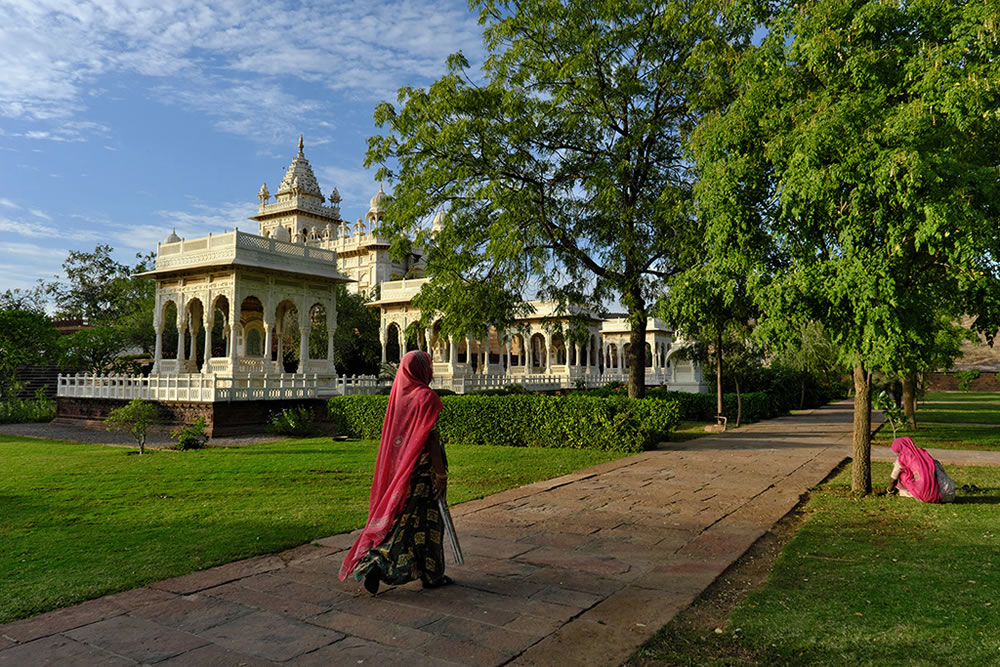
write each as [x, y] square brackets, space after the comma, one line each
[79, 521]
[879, 580]
[947, 436]
[961, 396]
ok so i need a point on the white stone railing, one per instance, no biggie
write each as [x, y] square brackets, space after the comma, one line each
[193, 387]
[186, 252]
[360, 384]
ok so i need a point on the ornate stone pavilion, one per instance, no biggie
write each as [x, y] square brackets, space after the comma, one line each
[538, 352]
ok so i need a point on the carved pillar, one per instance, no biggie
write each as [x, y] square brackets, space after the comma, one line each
[208, 346]
[158, 350]
[427, 343]
[452, 355]
[382, 337]
[268, 363]
[305, 328]
[331, 328]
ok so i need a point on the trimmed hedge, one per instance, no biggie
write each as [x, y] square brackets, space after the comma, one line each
[576, 421]
[757, 405]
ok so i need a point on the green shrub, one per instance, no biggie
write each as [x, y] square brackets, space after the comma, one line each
[21, 411]
[525, 420]
[136, 417]
[191, 436]
[298, 421]
[965, 379]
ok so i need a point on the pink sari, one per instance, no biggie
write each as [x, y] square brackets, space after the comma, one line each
[409, 418]
[917, 471]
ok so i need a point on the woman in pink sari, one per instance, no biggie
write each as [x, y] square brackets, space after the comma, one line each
[919, 475]
[403, 540]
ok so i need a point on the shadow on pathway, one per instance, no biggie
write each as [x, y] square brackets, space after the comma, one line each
[577, 570]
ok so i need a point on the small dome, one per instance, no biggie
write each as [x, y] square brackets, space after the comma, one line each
[378, 201]
[438, 223]
[335, 196]
[281, 234]
[173, 238]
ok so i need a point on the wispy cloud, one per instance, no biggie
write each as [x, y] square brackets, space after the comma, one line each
[8, 203]
[55, 52]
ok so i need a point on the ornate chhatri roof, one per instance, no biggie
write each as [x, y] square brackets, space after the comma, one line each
[299, 177]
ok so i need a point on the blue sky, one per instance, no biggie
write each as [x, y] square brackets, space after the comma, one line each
[123, 119]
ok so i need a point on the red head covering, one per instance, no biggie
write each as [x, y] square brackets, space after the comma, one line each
[917, 470]
[411, 414]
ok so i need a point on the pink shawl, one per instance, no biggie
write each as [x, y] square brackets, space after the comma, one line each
[917, 470]
[409, 418]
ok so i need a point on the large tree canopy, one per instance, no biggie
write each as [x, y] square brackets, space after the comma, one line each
[868, 134]
[562, 168]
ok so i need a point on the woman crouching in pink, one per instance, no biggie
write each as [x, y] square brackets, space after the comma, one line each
[919, 475]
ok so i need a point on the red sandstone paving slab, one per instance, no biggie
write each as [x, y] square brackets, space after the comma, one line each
[265, 601]
[639, 610]
[192, 613]
[382, 632]
[283, 587]
[357, 651]
[490, 546]
[581, 643]
[307, 552]
[271, 636]
[318, 580]
[721, 543]
[214, 656]
[577, 581]
[464, 653]
[510, 586]
[535, 626]
[567, 596]
[328, 566]
[58, 651]
[460, 601]
[54, 622]
[340, 542]
[6, 643]
[136, 638]
[557, 540]
[199, 581]
[384, 608]
[499, 567]
[501, 640]
[138, 598]
[599, 565]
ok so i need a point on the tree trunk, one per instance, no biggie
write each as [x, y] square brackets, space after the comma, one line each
[718, 375]
[802, 393]
[861, 473]
[636, 306]
[910, 398]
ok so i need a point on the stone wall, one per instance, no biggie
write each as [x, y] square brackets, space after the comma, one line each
[987, 381]
[223, 419]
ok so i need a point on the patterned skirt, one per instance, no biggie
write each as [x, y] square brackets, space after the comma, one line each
[415, 547]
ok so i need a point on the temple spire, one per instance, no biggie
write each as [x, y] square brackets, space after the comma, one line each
[301, 146]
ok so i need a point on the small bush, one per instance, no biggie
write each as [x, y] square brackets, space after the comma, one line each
[965, 379]
[21, 411]
[297, 421]
[577, 421]
[191, 436]
[136, 418]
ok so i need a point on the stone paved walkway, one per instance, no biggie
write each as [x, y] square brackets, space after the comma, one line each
[578, 570]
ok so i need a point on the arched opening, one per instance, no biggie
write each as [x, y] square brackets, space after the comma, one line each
[557, 349]
[613, 356]
[594, 350]
[495, 347]
[220, 327]
[288, 338]
[194, 334]
[461, 351]
[415, 337]
[254, 340]
[392, 351]
[649, 356]
[517, 351]
[538, 359]
[626, 348]
[439, 344]
[168, 347]
[319, 339]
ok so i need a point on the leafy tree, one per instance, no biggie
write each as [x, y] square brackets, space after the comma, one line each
[102, 291]
[136, 417]
[94, 349]
[32, 299]
[562, 167]
[355, 342]
[26, 337]
[864, 142]
[812, 357]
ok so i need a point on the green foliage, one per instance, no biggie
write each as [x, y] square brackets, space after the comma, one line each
[191, 436]
[561, 162]
[95, 349]
[575, 421]
[136, 417]
[15, 410]
[298, 421]
[26, 337]
[893, 413]
[102, 291]
[355, 342]
[965, 379]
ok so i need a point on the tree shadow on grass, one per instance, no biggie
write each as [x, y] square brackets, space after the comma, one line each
[977, 500]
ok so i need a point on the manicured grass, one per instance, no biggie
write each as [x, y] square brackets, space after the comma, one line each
[875, 580]
[961, 396]
[946, 436]
[79, 521]
[979, 413]
[689, 430]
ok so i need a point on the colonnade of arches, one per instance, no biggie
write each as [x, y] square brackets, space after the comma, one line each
[537, 353]
[252, 338]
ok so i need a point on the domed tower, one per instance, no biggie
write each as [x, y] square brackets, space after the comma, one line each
[377, 210]
[298, 205]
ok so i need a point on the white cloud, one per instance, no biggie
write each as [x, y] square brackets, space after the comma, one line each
[41, 214]
[35, 230]
[8, 203]
[356, 187]
[55, 51]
